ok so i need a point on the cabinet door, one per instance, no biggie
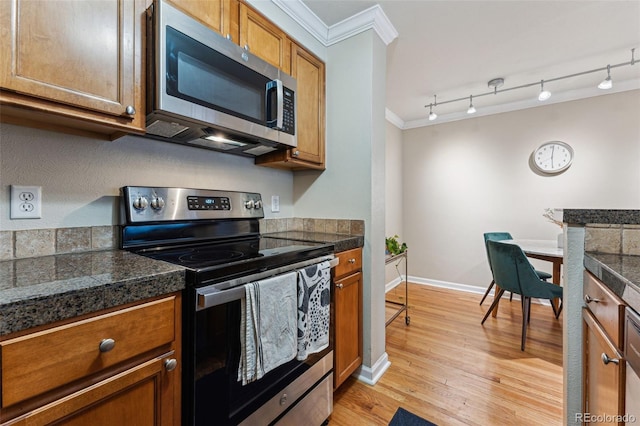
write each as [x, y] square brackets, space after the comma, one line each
[75, 53]
[139, 396]
[348, 327]
[309, 72]
[220, 15]
[603, 380]
[264, 39]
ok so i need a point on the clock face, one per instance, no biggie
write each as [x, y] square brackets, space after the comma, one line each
[553, 157]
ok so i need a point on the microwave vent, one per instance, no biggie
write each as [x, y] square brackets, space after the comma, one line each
[165, 129]
[259, 150]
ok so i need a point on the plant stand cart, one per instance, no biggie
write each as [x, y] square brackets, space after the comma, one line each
[402, 306]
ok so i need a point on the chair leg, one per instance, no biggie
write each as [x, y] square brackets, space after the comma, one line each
[529, 311]
[511, 297]
[555, 312]
[525, 314]
[495, 302]
[486, 293]
[559, 309]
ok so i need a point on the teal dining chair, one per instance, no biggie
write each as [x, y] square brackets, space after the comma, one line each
[513, 272]
[500, 236]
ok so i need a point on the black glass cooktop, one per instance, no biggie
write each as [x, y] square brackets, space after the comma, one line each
[233, 256]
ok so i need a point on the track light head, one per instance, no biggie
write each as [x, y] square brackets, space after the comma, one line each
[544, 94]
[472, 109]
[607, 83]
[432, 115]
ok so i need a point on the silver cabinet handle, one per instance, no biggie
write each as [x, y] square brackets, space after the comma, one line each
[352, 261]
[106, 345]
[246, 47]
[228, 37]
[606, 360]
[296, 153]
[590, 299]
[130, 110]
[339, 285]
[170, 364]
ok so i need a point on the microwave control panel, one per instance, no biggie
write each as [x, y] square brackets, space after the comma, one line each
[288, 113]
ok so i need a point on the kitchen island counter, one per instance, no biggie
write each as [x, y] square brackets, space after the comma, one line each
[41, 290]
[619, 272]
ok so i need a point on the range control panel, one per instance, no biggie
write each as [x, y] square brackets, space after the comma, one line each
[156, 204]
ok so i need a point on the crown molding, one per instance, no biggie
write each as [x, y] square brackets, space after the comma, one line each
[394, 119]
[371, 18]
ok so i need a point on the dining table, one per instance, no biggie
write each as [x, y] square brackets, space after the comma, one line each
[546, 250]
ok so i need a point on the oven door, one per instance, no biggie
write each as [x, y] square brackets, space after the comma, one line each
[206, 78]
[213, 394]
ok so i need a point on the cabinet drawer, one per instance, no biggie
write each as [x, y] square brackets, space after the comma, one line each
[42, 361]
[350, 262]
[607, 308]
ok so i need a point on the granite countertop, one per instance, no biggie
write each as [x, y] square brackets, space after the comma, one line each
[41, 290]
[340, 242]
[621, 273]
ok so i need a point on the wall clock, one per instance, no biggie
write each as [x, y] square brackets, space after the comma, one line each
[552, 157]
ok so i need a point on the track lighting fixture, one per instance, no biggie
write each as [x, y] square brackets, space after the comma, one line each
[472, 109]
[433, 115]
[495, 83]
[544, 94]
[607, 83]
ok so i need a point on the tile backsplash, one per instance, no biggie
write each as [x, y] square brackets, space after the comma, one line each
[43, 242]
[615, 239]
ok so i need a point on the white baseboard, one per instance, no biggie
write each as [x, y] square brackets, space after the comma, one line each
[371, 375]
[452, 286]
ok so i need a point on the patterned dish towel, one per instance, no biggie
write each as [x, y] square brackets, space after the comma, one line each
[313, 309]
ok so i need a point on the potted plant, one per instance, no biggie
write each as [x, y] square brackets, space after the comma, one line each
[393, 246]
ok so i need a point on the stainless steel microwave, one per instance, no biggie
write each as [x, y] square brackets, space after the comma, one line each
[204, 90]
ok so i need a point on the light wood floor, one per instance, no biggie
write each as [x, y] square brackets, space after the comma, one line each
[449, 369]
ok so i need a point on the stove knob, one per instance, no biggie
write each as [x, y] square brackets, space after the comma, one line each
[157, 203]
[249, 204]
[140, 203]
[257, 204]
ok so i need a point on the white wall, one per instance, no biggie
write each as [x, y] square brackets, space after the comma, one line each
[352, 186]
[393, 192]
[468, 177]
[81, 177]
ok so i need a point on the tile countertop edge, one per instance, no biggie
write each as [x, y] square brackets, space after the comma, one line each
[620, 273]
[79, 284]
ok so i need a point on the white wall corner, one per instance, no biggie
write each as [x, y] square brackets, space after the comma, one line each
[371, 375]
[373, 17]
[393, 118]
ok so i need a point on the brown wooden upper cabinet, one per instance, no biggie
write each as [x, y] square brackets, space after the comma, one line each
[309, 71]
[72, 64]
[222, 15]
[264, 39]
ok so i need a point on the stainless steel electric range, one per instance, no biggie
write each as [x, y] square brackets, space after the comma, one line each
[215, 236]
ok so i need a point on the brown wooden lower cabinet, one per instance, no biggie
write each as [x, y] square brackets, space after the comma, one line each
[348, 315]
[603, 362]
[114, 367]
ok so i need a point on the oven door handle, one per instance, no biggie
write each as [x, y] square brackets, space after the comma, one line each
[225, 292]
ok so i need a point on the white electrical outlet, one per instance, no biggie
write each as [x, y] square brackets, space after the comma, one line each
[26, 202]
[275, 203]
